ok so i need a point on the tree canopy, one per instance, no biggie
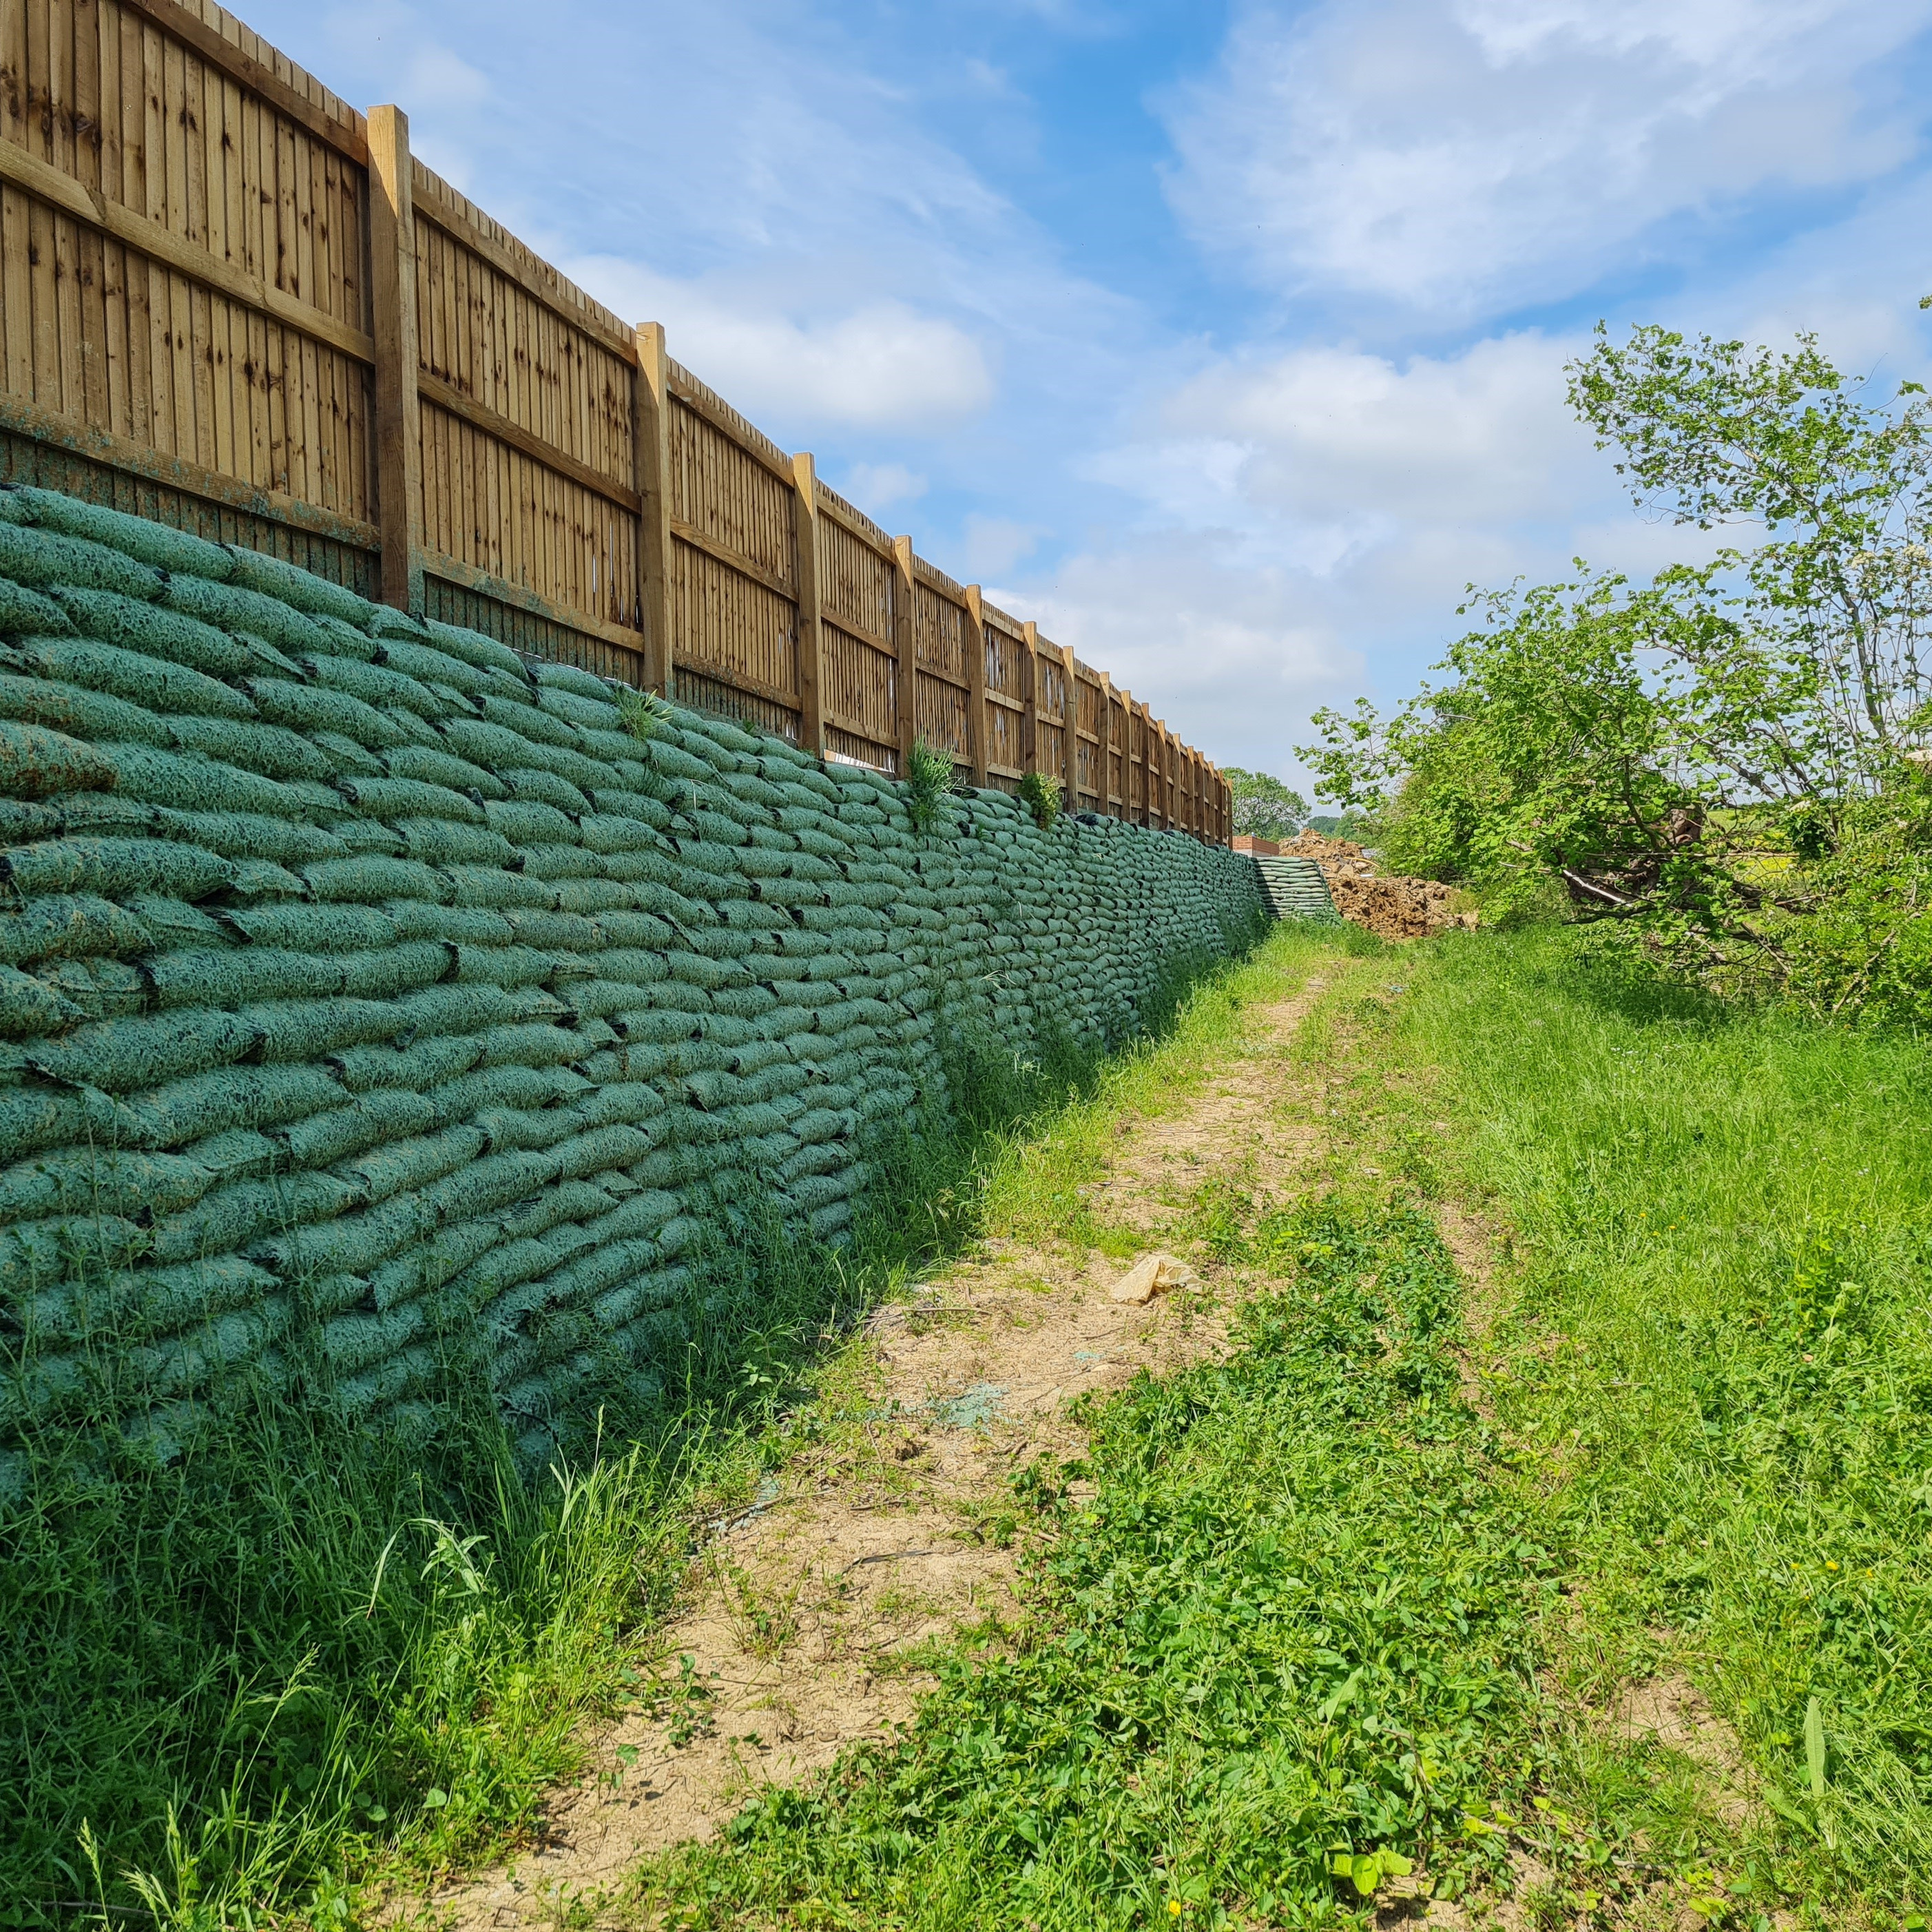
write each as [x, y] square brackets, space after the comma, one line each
[1728, 762]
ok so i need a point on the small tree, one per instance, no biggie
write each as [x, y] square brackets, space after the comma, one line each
[1265, 808]
[1728, 762]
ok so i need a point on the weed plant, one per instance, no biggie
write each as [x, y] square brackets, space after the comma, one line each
[1722, 1346]
[236, 1680]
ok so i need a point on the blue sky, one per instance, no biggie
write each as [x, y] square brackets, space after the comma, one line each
[1226, 339]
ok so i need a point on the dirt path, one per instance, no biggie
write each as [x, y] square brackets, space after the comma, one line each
[803, 1634]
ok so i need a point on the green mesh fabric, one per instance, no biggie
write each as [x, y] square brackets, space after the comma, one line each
[371, 1000]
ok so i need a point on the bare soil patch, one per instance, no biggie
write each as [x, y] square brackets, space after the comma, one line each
[1390, 905]
[810, 1618]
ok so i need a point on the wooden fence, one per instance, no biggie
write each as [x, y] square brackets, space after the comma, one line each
[230, 302]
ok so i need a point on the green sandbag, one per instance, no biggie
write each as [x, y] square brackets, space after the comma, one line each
[530, 821]
[311, 708]
[443, 768]
[289, 584]
[301, 1029]
[191, 1110]
[246, 615]
[375, 684]
[193, 784]
[316, 928]
[241, 834]
[371, 877]
[170, 637]
[386, 1171]
[346, 758]
[568, 862]
[44, 560]
[451, 1009]
[272, 751]
[393, 798]
[121, 1056]
[484, 653]
[78, 712]
[71, 927]
[23, 611]
[148, 542]
[29, 1007]
[189, 978]
[528, 784]
[37, 762]
[97, 988]
[100, 1181]
[228, 1219]
[530, 1046]
[426, 1066]
[485, 887]
[491, 1184]
[461, 925]
[115, 865]
[352, 1243]
[431, 666]
[505, 966]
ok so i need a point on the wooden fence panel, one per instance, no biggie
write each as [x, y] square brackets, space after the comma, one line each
[217, 281]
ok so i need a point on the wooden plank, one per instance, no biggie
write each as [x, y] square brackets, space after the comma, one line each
[811, 616]
[732, 560]
[175, 20]
[1029, 728]
[466, 234]
[468, 576]
[139, 459]
[480, 416]
[976, 683]
[161, 244]
[700, 401]
[905, 648]
[398, 425]
[650, 449]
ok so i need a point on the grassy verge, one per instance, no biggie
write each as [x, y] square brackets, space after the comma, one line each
[1718, 1345]
[244, 1683]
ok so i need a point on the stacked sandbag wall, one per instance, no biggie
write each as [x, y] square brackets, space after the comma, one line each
[366, 991]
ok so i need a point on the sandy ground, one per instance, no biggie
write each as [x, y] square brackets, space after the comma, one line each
[805, 1625]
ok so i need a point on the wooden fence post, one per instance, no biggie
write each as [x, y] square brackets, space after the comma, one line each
[398, 423]
[905, 646]
[651, 434]
[1030, 722]
[976, 684]
[1106, 746]
[811, 631]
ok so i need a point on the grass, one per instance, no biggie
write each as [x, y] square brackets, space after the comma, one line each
[246, 1681]
[1720, 1347]
[1290, 1652]
[1323, 1626]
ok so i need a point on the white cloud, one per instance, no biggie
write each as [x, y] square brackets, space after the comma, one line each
[994, 544]
[1467, 153]
[880, 364]
[877, 487]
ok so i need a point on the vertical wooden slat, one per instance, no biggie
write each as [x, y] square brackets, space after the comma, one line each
[974, 651]
[811, 631]
[651, 451]
[399, 505]
[905, 645]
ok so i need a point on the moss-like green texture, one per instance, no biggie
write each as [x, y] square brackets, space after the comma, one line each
[371, 994]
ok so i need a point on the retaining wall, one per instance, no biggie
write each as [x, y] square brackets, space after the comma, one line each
[364, 988]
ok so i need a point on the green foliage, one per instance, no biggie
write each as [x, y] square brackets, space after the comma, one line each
[643, 712]
[1725, 760]
[931, 780]
[1041, 796]
[1721, 1336]
[1290, 1636]
[1265, 808]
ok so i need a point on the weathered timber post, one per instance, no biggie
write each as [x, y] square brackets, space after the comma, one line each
[811, 630]
[1030, 722]
[905, 646]
[651, 434]
[398, 424]
[976, 684]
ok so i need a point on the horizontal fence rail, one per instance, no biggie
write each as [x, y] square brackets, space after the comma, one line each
[230, 302]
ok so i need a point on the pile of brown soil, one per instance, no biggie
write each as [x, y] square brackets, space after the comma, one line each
[1391, 907]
